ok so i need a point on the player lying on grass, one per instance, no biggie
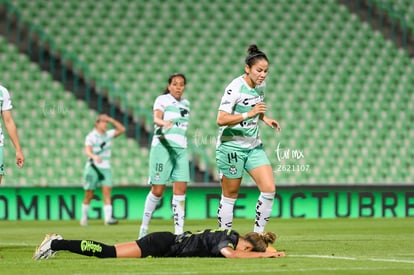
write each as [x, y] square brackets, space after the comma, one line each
[207, 243]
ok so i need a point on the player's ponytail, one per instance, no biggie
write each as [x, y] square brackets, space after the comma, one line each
[268, 237]
[254, 54]
[260, 241]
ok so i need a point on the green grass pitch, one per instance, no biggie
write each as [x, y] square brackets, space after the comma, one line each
[324, 246]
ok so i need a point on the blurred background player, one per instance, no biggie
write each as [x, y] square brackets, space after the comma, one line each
[168, 154]
[206, 243]
[239, 146]
[98, 169]
[6, 106]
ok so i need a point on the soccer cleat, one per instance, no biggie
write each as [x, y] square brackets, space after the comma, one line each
[84, 222]
[111, 221]
[142, 232]
[43, 251]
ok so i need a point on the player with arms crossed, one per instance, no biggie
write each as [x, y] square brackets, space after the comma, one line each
[206, 243]
[239, 146]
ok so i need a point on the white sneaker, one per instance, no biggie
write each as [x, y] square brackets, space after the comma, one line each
[142, 232]
[43, 251]
[111, 221]
[84, 222]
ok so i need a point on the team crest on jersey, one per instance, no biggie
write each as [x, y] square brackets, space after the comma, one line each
[233, 169]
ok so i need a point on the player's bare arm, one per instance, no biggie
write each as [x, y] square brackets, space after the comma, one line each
[158, 120]
[90, 154]
[12, 131]
[240, 254]
[270, 122]
[119, 128]
[224, 118]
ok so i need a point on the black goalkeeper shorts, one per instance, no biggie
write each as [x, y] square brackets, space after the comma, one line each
[156, 244]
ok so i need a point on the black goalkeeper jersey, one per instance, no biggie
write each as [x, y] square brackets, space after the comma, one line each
[206, 243]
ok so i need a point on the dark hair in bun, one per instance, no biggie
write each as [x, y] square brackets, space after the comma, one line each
[254, 54]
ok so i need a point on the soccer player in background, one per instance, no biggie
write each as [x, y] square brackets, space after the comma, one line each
[239, 146]
[168, 153]
[206, 243]
[97, 172]
[6, 106]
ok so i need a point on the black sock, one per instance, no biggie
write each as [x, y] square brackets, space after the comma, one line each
[85, 247]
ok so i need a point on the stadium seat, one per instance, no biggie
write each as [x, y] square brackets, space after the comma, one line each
[334, 82]
[53, 143]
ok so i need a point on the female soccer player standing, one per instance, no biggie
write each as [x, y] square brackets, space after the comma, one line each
[168, 154]
[239, 146]
[98, 148]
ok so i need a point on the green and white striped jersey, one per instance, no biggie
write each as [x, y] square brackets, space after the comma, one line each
[237, 99]
[5, 104]
[101, 146]
[177, 111]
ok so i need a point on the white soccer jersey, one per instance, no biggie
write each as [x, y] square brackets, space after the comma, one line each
[178, 111]
[5, 104]
[239, 98]
[101, 146]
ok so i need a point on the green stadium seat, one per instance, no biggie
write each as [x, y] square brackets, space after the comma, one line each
[331, 76]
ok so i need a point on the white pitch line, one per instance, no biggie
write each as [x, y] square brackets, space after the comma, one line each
[15, 244]
[324, 256]
[272, 271]
[354, 258]
[392, 261]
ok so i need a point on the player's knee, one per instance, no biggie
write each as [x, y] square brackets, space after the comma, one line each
[158, 190]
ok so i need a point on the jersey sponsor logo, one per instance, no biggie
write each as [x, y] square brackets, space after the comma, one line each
[181, 124]
[245, 123]
[252, 100]
[225, 102]
[229, 91]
